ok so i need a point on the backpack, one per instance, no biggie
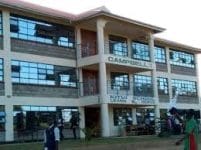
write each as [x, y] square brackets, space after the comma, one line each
[50, 138]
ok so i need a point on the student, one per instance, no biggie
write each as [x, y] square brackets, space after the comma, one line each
[191, 132]
[52, 136]
[74, 125]
[61, 126]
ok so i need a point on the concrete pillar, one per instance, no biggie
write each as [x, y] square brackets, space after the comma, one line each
[81, 84]
[9, 123]
[154, 76]
[129, 44]
[102, 79]
[169, 72]
[134, 116]
[79, 40]
[7, 58]
[82, 121]
[198, 74]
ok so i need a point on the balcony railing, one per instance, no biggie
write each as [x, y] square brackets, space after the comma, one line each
[122, 88]
[87, 49]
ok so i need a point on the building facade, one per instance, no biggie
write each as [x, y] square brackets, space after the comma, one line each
[97, 65]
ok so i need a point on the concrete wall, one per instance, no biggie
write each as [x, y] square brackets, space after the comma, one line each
[183, 70]
[44, 91]
[42, 49]
[161, 67]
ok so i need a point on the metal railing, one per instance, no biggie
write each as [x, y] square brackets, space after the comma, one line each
[120, 88]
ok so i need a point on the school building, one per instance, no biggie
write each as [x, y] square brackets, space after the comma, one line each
[98, 65]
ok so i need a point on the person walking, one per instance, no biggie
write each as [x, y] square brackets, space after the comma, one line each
[52, 136]
[191, 132]
[74, 124]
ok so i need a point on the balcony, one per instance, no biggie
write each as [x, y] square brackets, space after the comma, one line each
[129, 93]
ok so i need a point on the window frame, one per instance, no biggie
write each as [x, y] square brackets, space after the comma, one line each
[184, 84]
[28, 32]
[164, 82]
[123, 45]
[114, 85]
[140, 56]
[162, 58]
[145, 83]
[182, 56]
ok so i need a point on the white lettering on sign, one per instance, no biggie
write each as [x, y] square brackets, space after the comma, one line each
[129, 61]
[142, 100]
[118, 99]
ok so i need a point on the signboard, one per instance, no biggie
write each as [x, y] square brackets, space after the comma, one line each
[135, 100]
[143, 100]
[129, 62]
[118, 99]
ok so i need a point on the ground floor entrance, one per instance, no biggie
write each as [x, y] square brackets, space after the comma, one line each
[92, 120]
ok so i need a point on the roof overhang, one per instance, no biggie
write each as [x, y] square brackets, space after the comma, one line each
[176, 45]
[154, 29]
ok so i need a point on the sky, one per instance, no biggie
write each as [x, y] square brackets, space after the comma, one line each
[180, 18]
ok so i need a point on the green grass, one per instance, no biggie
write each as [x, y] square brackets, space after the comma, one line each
[66, 144]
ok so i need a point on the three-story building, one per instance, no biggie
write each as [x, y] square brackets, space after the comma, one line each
[97, 65]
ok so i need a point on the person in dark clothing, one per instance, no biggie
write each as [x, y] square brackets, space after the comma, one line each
[74, 125]
[61, 126]
[52, 136]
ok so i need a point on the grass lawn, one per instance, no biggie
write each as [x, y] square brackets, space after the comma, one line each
[80, 144]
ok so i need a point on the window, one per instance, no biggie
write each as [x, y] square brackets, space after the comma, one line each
[2, 118]
[1, 25]
[1, 69]
[42, 74]
[160, 56]
[140, 51]
[119, 81]
[182, 59]
[118, 46]
[162, 86]
[39, 31]
[143, 85]
[184, 87]
[121, 115]
[67, 80]
[26, 118]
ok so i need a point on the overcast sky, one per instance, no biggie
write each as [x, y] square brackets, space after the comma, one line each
[181, 18]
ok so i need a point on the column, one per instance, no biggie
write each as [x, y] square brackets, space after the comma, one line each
[154, 76]
[82, 121]
[7, 57]
[134, 116]
[102, 79]
[9, 123]
[169, 72]
[198, 74]
[78, 44]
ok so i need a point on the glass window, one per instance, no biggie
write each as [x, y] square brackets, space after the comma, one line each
[1, 25]
[2, 118]
[118, 46]
[39, 31]
[140, 51]
[66, 80]
[119, 81]
[184, 87]
[182, 59]
[122, 116]
[42, 74]
[1, 69]
[143, 85]
[162, 86]
[160, 56]
[34, 119]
